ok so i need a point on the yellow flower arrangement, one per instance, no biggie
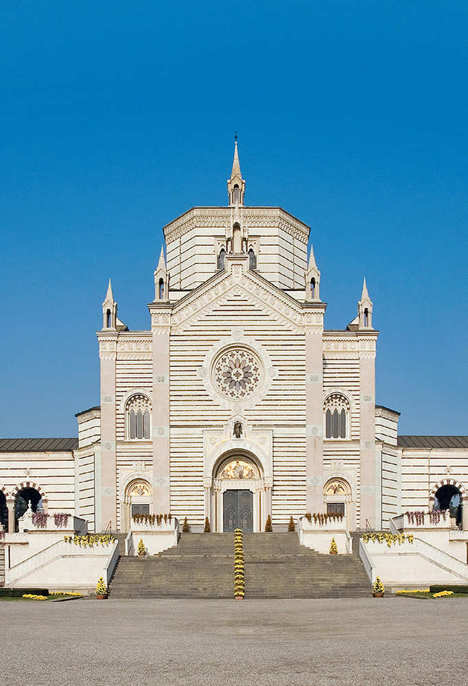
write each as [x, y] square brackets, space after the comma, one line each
[101, 588]
[378, 587]
[89, 541]
[388, 538]
[32, 596]
[239, 569]
[442, 594]
[333, 547]
[413, 590]
[141, 551]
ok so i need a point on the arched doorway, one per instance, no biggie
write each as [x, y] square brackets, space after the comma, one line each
[238, 494]
[27, 497]
[449, 497]
[3, 511]
[338, 498]
[137, 500]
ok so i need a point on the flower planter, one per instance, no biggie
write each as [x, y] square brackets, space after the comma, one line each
[333, 552]
[378, 595]
[101, 597]
[239, 597]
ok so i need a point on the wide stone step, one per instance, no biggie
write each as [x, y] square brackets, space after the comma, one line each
[276, 566]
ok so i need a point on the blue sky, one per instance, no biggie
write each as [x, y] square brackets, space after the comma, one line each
[118, 116]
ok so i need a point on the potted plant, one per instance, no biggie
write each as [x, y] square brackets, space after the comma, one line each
[378, 589]
[291, 525]
[101, 589]
[185, 526]
[268, 526]
[333, 547]
[207, 528]
[141, 550]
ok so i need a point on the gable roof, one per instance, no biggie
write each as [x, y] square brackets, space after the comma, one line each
[37, 445]
[433, 441]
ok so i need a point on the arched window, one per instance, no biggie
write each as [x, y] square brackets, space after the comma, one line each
[336, 409]
[161, 289]
[312, 287]
[252, 259]
[138, 412]
[221, 256]
[27, 497]
[236, 195]
[366, 317]
[448, 497]
[336, 493]
[108, 319]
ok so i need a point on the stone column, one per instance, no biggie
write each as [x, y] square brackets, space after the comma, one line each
[465, 513]
[266, 504]
[207, 492]
[108, 477]
[313, 323]
[160, 324]
[11, 514]
[368, 469]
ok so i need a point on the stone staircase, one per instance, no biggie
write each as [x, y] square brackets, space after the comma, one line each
[276, 566]
[201, 566]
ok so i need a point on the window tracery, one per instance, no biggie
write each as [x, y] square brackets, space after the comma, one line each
[336, 409]
[237, 373]
[138, 411]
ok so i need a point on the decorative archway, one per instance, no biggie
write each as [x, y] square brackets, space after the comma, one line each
[451, 497]
[27, 497]
[238, 495]
[448, 482]
[138, 499]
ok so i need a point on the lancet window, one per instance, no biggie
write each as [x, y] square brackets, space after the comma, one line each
[138, 413]
[336, 410]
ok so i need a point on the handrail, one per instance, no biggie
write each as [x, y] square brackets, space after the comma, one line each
[39, 552]
[451, 559]
[111, 565]
[25, 566]
[368, 566]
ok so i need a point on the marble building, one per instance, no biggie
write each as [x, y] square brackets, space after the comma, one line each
[237, 403]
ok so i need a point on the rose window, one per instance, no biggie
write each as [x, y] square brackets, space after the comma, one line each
[237, 373]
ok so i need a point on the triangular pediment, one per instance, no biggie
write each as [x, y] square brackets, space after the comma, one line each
[247, 290]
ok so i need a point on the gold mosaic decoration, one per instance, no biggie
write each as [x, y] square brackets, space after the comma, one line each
[139, 488]
[238, 469]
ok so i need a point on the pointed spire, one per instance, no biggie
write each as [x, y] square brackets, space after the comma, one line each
[312, 278]
[364, 294]
[236, 184]
[109, 295]
[162, 261]
[312, 262]
[236, 170]
[161, 279]
[109, 309]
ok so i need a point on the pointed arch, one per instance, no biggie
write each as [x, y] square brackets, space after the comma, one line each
[221, 259]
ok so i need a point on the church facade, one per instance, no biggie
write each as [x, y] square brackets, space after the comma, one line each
[237, 404]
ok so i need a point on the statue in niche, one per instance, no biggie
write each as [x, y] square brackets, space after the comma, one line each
[237, 429]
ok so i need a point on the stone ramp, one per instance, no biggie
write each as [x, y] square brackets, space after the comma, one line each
[276, 566]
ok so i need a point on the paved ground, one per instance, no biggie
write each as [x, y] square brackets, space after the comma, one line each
[227, 643]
